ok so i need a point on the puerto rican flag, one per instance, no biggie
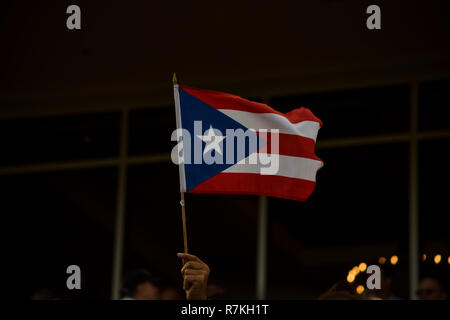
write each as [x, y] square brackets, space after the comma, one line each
[295, 137]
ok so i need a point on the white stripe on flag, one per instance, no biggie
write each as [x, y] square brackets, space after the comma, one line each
[308, 129]
[291, 167]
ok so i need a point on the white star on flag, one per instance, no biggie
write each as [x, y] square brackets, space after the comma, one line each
[212, 141]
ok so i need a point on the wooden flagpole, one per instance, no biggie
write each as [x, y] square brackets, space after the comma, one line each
[182, 203]
[183, 215]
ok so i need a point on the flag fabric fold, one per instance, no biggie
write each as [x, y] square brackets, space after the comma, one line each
[231, 145]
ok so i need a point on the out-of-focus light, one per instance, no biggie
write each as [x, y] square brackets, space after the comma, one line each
[448, 260]
[362, 266]
[350, 278]
[355, 270]
[360, 289]
[424, 257]
[394, 260]
[351, 275]
[381, 260]
[437, 258]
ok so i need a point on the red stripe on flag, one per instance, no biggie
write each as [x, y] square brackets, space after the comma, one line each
[291, 145]
[302, 114]
[250, 183]
[222, 100]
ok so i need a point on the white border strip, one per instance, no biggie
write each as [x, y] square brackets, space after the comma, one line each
[176, 95]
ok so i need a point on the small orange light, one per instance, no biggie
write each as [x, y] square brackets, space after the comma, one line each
[381, 260]
[394, 260]
[350, 278]
[437, 258]
[360, 289]
[362, 267]
[424, 257]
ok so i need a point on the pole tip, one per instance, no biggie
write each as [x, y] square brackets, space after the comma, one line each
[174, 78]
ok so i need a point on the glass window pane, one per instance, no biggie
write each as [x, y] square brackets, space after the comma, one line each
[151, 130]
[221, 231]
[434, 105]
[59, 138]
[434, 207]
[61, 219]
[356, 112]
[358, 213]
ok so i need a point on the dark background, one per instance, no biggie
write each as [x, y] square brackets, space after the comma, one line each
[63, 93]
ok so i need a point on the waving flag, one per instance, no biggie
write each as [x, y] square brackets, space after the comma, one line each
[228, 144]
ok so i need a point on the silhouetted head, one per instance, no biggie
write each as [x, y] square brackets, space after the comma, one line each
[340, 291]
[431, 288]
[141, 285]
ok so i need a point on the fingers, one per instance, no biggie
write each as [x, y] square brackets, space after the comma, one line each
[194, 272]
[192, 261]
[193, 265]
[190, 280]
[195, 276]
[188, 257]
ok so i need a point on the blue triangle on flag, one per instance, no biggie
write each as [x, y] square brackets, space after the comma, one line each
[192, 110]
